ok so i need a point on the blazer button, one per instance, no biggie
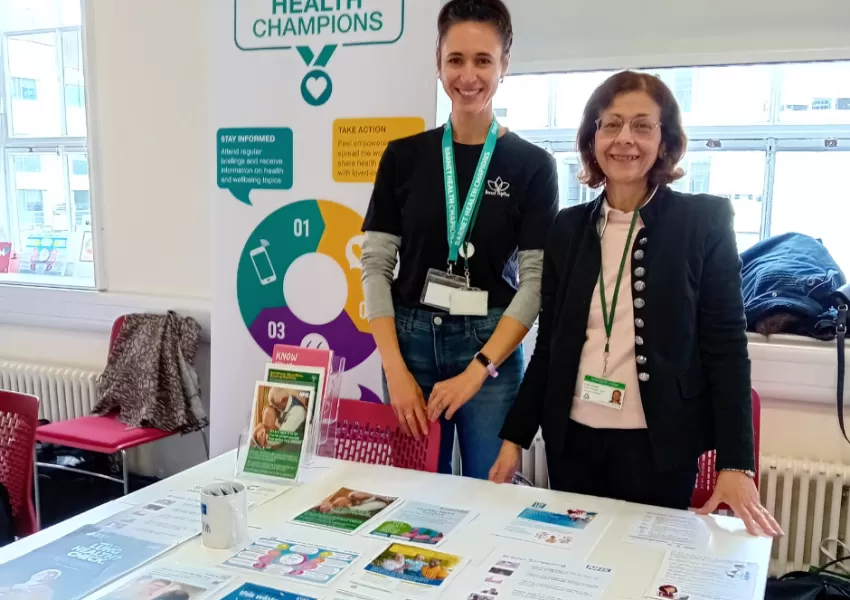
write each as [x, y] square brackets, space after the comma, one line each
[641, 360]
[638, 340]
[643, 376]
[640, 272]
[640, 303]
[643, 241]
[638, 254]
[639, 323]
[640, 286]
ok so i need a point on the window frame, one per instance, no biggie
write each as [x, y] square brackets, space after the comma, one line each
[63, 145]
[770, 137]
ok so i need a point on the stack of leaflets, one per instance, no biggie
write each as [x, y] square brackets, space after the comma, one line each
[283, 409]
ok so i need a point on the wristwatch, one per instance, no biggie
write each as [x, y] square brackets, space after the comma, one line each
[488, 364]
[748, 473]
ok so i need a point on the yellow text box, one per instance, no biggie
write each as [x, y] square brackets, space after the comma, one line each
[359, 144]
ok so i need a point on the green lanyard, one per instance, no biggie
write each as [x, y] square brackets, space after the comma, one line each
[608, 319]
[457, 231]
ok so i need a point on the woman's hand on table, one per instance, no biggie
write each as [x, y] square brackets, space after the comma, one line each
[506, 464]
[451, 394]
[738, 490]
[408, 402]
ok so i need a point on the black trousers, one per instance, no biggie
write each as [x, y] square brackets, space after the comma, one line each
[618, 463]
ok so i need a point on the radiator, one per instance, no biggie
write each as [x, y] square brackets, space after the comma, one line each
[64, 392]
[808, 498]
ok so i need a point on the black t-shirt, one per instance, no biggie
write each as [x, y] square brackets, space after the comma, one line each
[519, 203]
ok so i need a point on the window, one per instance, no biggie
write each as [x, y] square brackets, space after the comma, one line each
[31, 207]
[45, 204]
[28, 164]
[774, 139]
[24, 89]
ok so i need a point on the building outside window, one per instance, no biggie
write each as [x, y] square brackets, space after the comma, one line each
[45, 203]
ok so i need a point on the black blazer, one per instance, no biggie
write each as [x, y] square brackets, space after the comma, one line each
[691, 330]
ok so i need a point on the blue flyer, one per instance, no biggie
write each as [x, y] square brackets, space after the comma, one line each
[75, 565]
[250, 591]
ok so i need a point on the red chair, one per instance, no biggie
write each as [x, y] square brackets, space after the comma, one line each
[370, 433]
[106, 435]
[707, 476]
[18, 421]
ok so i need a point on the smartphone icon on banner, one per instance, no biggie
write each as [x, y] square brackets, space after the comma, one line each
[263, 264]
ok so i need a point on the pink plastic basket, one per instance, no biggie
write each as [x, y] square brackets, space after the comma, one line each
[370, 433]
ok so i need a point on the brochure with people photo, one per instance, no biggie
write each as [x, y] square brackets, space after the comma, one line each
[313, 377]
[279, 429]
[346, 510]
[403, 571]
[422, 523]
[160, 583]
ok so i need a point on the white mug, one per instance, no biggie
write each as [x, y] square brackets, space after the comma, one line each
[224, 515]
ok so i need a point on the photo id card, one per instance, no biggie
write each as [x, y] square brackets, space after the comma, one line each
[438, 289]
[610, 394]
[468, 303]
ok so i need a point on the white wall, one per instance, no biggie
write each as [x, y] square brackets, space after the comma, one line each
[147, 62]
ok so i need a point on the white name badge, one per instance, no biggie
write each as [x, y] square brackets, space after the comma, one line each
[467, 302]
[439, 285]
[603, 392]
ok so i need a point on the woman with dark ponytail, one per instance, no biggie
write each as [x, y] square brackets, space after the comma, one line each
[467, 208]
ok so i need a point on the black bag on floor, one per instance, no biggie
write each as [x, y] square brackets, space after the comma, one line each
[818, 584]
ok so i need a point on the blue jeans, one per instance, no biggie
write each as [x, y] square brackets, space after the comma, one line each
[437, 346]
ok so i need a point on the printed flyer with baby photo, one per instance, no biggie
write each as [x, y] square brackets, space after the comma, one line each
[403, 571]
[422, 523]
[574, 528]
[346, 510]
[279, 429]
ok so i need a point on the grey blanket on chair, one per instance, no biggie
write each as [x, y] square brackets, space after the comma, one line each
[149, 379]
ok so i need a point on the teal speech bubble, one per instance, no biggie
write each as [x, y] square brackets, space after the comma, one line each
[254, 158]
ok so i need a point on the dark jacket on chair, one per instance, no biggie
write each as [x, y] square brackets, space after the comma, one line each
[697, 396]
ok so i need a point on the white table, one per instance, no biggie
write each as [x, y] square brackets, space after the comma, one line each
[634, 566]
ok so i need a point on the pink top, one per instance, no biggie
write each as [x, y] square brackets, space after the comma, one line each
[621, 359]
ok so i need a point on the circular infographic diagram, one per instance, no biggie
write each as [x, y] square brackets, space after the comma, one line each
[298, 281]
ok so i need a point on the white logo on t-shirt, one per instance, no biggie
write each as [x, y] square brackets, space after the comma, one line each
[498, 188]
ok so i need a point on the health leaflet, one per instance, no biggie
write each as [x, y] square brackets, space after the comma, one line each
[293, 560]
[403, 571]
[422, 523]
[346, 510]
[280, 429]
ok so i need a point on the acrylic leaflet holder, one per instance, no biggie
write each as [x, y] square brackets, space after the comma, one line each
[290, 433]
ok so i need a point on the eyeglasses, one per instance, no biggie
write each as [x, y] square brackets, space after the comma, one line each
[641, 127]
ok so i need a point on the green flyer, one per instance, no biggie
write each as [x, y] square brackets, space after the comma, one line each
[346, 510]
[280, 429]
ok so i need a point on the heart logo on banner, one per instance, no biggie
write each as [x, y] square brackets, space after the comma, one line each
[316, 87]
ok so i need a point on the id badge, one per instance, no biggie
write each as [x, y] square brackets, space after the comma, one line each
[603, 392]
[468, 303]
[439, 285]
